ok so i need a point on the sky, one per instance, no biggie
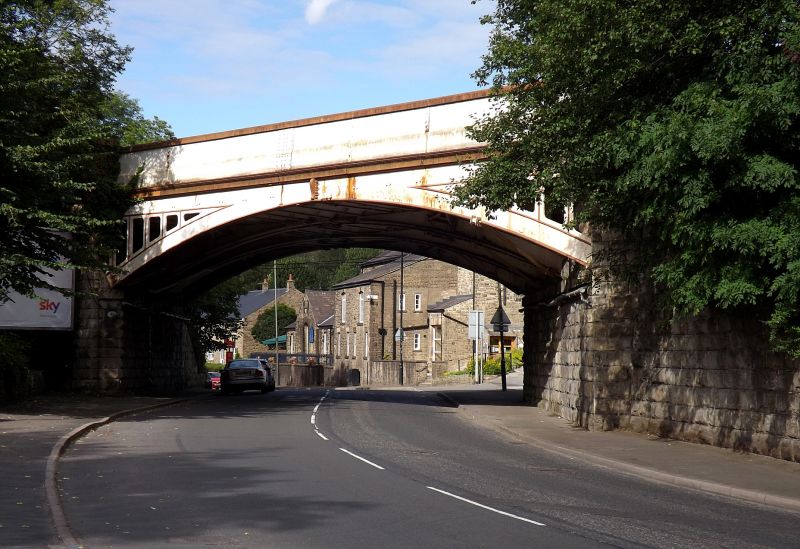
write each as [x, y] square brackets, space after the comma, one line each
[213, 65]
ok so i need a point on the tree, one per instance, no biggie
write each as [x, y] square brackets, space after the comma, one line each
[58, 149]
[673, 122]
[124, 115]
[264, 328]
[214, 316]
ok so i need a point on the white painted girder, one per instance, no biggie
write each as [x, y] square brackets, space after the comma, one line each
[355, 160]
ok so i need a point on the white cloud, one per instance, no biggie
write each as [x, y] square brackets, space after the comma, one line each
[315, 10]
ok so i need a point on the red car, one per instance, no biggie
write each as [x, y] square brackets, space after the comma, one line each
[213, 381]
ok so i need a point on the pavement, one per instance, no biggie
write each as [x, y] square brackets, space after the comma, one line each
[34, 434]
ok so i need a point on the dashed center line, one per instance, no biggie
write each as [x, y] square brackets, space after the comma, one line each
[362, 459]
[476, 504]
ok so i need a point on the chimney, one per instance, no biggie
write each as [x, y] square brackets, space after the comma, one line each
[290, 283]
[265, 284]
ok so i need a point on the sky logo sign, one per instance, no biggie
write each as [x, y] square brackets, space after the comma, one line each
[49, 306]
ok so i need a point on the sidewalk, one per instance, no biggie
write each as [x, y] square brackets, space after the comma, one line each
[28, 433]
[749, 477]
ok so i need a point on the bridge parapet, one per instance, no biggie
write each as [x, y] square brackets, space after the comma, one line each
[375, 178]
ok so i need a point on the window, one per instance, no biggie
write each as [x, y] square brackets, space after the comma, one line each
[344, 308]
[291, 343]
[153, 228]
[338, 343]
[137, 234]
[401, 302]
[347, 353]
[361, 307]
[172, 221]
[417, 341]
[325, 342]
[366, 345]
[355, 345]
[417, 302]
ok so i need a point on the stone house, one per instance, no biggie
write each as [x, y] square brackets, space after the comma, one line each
[448, 321]
[429, 299]
[252, 304]
[311, 333]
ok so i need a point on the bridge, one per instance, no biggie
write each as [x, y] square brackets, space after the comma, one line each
[214, 205]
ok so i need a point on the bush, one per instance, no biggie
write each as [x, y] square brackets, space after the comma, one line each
[491, 366]
[214, 366]
[15, 375]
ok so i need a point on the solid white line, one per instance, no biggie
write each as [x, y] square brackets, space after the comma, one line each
[362, 459]
[313, 419]
[485, 506]
[323, 437]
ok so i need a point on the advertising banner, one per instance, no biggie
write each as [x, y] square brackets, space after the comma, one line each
[49, 310]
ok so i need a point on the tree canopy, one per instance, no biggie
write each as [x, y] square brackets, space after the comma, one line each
[264, 328]
[674, 122]
[59, 139]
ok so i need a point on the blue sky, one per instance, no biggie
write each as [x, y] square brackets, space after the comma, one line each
[214, 65]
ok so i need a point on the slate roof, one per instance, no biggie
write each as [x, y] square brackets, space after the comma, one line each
[390, 264]
[253, 301]
[448, 302]
[321, 304]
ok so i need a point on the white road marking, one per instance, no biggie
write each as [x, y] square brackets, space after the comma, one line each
[485, 506]
[314, 415]
[323, 437]
[362, 459]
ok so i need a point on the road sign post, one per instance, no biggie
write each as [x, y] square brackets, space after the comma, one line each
[475, 333]
[500, 320]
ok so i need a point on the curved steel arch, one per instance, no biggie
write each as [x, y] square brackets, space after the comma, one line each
[202, 258]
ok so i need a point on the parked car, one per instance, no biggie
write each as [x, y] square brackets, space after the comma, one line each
[213, 381]
[247, 373]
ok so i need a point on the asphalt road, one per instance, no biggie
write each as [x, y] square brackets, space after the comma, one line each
[353, 468]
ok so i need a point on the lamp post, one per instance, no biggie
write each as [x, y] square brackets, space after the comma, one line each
[275, 308]
[402, 308]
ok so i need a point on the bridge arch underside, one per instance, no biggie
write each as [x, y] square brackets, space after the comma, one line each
[218, 253]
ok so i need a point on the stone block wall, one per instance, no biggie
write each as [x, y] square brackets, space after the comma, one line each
[122, 347]
[617, 363]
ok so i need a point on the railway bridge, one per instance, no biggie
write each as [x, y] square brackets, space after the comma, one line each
[212, 206]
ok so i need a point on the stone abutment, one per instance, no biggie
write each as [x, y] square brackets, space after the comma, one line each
[126, 344]
[605, 358]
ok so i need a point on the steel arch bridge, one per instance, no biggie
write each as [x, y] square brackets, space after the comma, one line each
[212, 206]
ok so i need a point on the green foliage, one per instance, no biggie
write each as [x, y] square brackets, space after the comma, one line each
[674, 122]
[58, 149]
[492, 364]
[124, 116]
[214, 316]
[317, 270]
[264, 328]
[214, 366]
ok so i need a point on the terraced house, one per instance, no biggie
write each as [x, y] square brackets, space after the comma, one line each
[409, 308]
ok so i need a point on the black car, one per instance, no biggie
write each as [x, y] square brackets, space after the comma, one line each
[247, 374]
